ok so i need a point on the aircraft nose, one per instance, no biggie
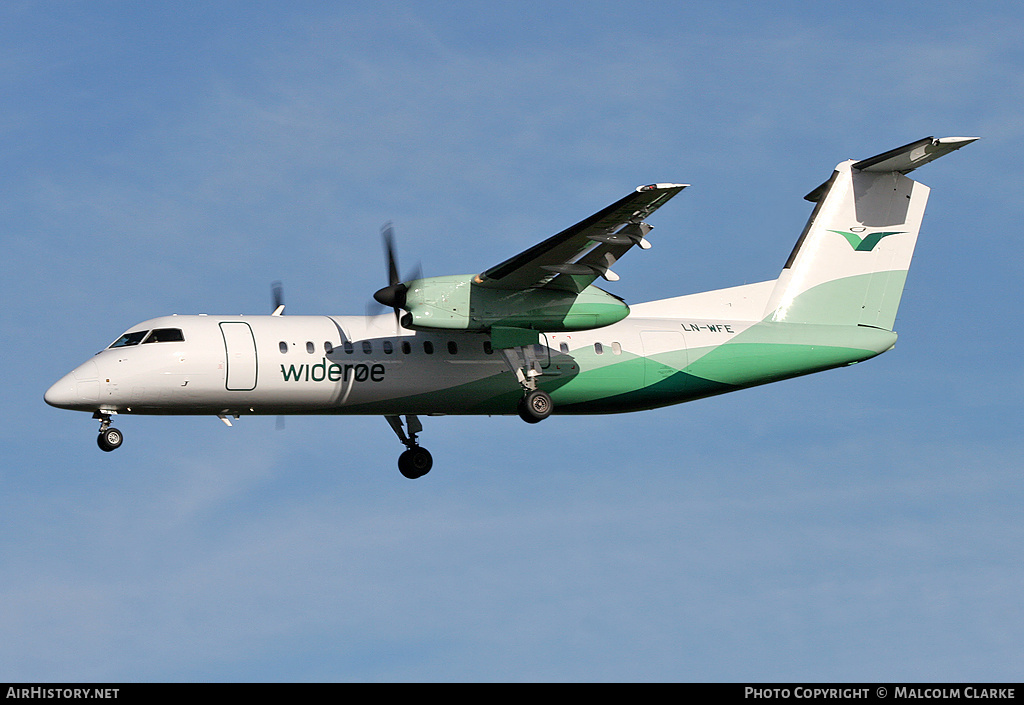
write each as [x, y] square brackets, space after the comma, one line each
[78, 389]
[64, 393]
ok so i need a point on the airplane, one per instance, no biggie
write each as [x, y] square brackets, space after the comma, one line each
[533, 335]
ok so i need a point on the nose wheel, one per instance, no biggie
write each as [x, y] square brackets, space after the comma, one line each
[416, 461]
[109, 438]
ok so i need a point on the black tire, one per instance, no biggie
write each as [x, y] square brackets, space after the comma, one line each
[535, 406]
[110, 439]
[415, 462]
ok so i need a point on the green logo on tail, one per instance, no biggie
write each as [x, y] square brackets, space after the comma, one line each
[866, 244]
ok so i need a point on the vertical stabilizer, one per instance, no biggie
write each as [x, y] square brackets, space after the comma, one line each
[850, 263]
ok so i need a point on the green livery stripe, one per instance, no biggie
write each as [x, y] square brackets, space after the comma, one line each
[766, 352]
[769, 351]
[744, 364]
[866, 299]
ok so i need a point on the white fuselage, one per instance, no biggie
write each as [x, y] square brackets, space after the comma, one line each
[355, 365]
[288, 364]
[240, 365]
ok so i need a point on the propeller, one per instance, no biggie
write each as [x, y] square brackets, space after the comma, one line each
[277, 292]
[394, 294]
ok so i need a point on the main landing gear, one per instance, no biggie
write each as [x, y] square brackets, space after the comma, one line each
[415, 461]
[536, 404]
[110, 438]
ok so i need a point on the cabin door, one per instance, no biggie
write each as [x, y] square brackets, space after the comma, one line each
[240, 348]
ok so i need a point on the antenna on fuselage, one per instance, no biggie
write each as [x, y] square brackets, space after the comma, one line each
[277, 292]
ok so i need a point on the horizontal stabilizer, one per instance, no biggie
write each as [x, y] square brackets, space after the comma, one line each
[907, 158]
[903, 159]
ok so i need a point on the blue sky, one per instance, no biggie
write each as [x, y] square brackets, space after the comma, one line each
[861, 524]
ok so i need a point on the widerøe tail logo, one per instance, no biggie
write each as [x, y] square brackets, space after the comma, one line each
[867, 243]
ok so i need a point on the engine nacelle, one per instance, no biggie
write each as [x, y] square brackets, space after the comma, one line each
[460, 304]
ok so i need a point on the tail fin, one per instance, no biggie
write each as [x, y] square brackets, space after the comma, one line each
[850, 263]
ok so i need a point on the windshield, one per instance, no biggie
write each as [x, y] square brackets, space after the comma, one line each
[165, 335]
[132, 338]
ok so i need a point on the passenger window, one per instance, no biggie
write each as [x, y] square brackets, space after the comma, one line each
[453, 349]
[129, 339]
[367, 347]
[388, 349]
[165, 335]
[563, 348]
[310, 347]
[347, 346]
[488, 348]
[598, 348]
[428, 347]
[328, 348]
[616, 349]
[283, 347]
[406, 347]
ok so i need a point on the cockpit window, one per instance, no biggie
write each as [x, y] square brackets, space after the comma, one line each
[165, 335]
[133, 338]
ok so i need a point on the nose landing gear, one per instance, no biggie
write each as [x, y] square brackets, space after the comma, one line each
[416, 461]
[109, 438]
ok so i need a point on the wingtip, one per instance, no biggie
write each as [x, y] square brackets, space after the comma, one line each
[957, 141]
[660, 187]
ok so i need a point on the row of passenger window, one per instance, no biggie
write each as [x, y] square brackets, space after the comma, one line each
[428, 347]
[387, 346]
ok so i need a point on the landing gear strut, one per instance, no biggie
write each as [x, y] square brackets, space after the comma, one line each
[415, 461]
[536, 404]
[110, 438]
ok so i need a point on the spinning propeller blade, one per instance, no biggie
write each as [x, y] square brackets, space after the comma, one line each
[393, 295]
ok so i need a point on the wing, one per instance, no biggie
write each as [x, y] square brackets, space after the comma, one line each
[575, 257]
